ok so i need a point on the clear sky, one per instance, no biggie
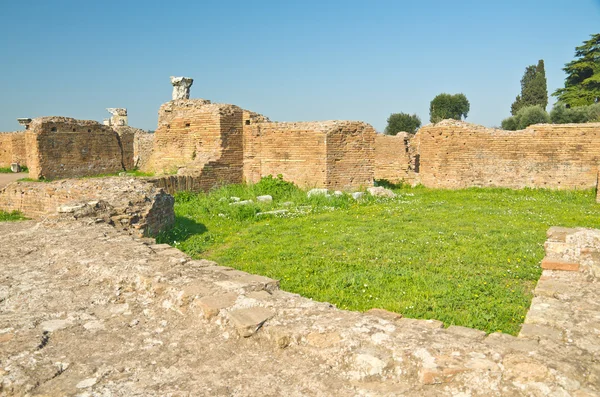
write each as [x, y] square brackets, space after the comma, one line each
[290, 60]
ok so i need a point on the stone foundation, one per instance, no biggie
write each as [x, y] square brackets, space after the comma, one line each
[129, 204]
[149, 313]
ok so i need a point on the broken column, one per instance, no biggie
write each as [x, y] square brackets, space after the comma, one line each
[24, 122]
[181, 87]
[119, 117]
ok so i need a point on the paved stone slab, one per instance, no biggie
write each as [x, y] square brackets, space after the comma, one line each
[248, 321]
[557, 264]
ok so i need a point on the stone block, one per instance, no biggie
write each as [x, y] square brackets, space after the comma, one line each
[557, 264]
[248, 321]
[538, 331]
[212, 305]
[466, 332]
[379, 191]
[264, 199]
[384, 314]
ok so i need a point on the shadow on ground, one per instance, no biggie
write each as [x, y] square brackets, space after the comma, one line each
[184, 228]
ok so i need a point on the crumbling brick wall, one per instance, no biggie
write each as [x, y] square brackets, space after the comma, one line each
[131, 204]
[332, 154]
[392, 158]
[454, 154]
[12, 148]
[62, 147]
[199, 138]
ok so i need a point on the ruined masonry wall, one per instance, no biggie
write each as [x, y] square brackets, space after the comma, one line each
[127, 203]
[142, 148]
[456, 154]
[181, 124]
[350, 155]
[62, 147]
[392, 159]
[12, 148]
[219, 158]
[298, 151]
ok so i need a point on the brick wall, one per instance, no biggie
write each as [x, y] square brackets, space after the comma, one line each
[298, 151]
[332, 154]
[12, 148]
[201, 139]
[142, 148]
[131, 204]
[186, 128]
[392, 159]
[350, 155]
[62, 147]
[455, 154]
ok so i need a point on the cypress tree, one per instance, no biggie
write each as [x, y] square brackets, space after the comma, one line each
[534, 88]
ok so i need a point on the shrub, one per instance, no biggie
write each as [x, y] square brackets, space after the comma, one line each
[276, 187]
[510, 123]
[560, 114]
[531, 115]
[398, 122]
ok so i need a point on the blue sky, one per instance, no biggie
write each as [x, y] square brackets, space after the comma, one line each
[308, 60]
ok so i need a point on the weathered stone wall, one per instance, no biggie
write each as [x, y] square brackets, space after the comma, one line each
[131, 204]
[392, 159]
[12, 148]
[62, 147]
[332, 154]
[455, 154]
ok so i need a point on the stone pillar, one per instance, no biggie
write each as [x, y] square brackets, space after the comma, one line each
[24, 122]
[119, 117]
[181, 87]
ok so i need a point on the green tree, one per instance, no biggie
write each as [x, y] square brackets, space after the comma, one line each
[402, 122]
[446, 106]
[525, 117]
[561, 114]
[582, 84]
[534, 88]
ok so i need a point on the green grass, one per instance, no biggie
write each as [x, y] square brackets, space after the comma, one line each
[134, 173]
[466, 257]
[11, 216]
[7, 170]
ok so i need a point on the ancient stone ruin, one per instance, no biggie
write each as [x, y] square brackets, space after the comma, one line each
[90, 306]
[119, 117]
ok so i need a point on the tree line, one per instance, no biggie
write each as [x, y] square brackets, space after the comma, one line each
[578, 101]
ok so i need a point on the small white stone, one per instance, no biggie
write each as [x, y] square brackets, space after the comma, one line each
[358, 195]
[89, 382]
[55, 325]
[264, 199]
[317, 192]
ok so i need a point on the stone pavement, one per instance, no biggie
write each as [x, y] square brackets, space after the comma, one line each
[5, 179]
[86, 310]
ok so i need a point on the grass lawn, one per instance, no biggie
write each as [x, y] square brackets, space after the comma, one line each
[10, 216]
[7, 170]
[465, 257]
